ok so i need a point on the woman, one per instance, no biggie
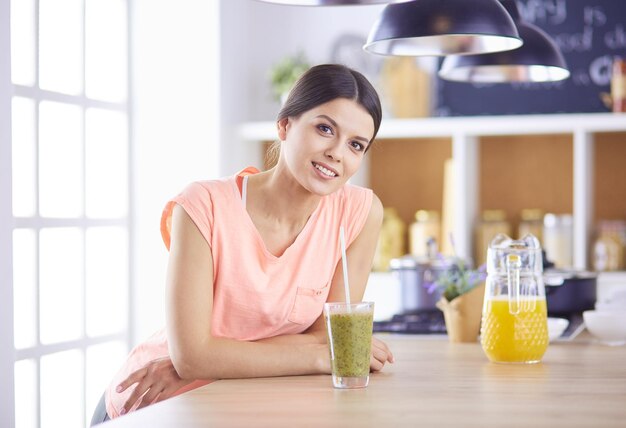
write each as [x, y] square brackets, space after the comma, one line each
[254, 257]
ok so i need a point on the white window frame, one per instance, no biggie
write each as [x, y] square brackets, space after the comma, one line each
[196, 28]
[7, 403]
[8, 222]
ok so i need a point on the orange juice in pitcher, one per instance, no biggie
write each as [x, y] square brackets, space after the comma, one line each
[514, 325]
[514, 338]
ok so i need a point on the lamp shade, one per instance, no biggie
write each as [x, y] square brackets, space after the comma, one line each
[443, 27]
[537, 60]
[327, 2]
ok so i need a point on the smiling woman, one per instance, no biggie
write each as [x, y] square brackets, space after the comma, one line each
[253, 257]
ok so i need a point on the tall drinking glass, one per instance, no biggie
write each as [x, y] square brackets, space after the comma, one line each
[349, 332]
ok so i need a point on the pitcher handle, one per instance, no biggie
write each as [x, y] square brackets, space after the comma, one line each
[513, 265]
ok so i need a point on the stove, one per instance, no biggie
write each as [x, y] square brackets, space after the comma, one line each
[432, 322]
[420, 322]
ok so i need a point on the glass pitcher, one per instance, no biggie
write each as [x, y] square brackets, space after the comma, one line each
[514, 324]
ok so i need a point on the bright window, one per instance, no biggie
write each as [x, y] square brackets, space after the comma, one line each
[67, 254]
[70, 154]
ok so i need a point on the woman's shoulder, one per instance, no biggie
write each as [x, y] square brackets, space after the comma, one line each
[204, 188]
[224, 184]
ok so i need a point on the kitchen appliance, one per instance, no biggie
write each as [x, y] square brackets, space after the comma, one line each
[417, 276]
[428, 321]
[418, 315]
[568, 292]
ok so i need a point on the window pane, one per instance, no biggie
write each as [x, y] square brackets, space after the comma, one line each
[107, 280]
[60, 45]
[103, 361]
[26, 396]
[24, 157]
[60, 160]
[62, 390]
[60, 289]
[23, 42]
[106, 49]
[25, 288]
[107, 163]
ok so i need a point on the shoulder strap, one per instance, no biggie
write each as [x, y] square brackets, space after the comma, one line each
[244, 190]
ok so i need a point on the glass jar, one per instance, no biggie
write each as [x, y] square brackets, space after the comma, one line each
[391, 241]
[608, 248]
[558, 230]
[492, 223]
[532, 223]
[424, 233]
[618, 85]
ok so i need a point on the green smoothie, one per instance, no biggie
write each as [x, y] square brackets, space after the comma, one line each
[350, 343]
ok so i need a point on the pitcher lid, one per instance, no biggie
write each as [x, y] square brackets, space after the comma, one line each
[527, 252]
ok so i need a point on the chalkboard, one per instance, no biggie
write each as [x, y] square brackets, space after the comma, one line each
[590, 34]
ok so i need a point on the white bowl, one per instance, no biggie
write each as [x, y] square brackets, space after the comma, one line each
[556, 327]
[607, 326]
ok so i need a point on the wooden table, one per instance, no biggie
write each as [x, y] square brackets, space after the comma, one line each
[432, 383]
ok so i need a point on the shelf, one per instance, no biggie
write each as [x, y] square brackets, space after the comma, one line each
[472, 126]
[576, 166]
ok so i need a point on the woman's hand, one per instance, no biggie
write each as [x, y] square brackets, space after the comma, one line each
[380, 355]
[156, 381]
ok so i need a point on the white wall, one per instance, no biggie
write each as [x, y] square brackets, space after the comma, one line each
[176, 125]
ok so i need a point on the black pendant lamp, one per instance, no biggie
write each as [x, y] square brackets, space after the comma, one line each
[327, 2]
[537, 60]
[443, 27]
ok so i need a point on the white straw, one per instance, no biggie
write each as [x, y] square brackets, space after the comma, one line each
[344, 261]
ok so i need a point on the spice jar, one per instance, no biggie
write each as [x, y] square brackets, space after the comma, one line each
[532, 222]
[608, 248]
[558, 239]
[492, 222]
[391, 240]
[618, 85]
[424, 233]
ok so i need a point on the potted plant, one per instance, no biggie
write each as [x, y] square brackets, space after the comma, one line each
[462, 292]
[285, 73]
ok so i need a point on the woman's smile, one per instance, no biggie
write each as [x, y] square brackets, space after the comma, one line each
[324, 170]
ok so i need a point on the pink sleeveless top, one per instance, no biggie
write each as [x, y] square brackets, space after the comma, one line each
[256, 294]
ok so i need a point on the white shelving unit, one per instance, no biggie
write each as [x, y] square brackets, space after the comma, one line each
[465, 132]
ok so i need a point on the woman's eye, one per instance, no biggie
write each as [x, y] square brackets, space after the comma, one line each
[325, 129]
[357, 146]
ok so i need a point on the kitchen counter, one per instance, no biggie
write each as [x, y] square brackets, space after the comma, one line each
[432, 383]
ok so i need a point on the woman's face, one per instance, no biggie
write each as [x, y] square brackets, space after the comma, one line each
[324, 147]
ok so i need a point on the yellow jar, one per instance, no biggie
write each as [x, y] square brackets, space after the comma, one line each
[492, 223]
[391, 241]
[424, 233]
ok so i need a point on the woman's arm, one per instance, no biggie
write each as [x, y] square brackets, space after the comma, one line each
[189, 301]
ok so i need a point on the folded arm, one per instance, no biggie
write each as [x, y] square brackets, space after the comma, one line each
[195, 353]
